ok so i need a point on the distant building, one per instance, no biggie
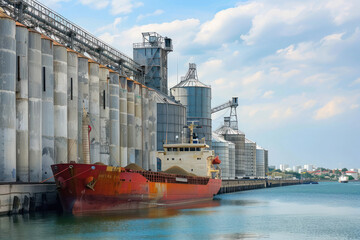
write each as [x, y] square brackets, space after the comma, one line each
[354, 174]
[309, 167]
[272, 167]
[283, 167]
[296, 168]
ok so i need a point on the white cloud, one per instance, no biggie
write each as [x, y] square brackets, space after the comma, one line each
[227, 23]
[181, 31]
[355, 82]
[95, 4]
[155, 13]
[124, 6]
[256, 77]
[268, 94]
[309, 104]
[330, 109]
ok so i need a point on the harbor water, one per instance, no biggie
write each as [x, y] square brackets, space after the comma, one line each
[323, 211]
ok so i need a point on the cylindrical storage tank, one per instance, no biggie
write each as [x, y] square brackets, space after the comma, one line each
[153, 130]
[171, 119]
[35, 108]
[104, 115]
[130, 121]
[123, 121]
[47, 106]
[196, 97]
[138, 125]
[250, 158]
[83, 97]
[221, 148]
[145, 127]
[22, 104]
[238, 138]
[73, 129]
[94, 111]
[60, 103]
[7, 99]
[114, 119]
[231, 160]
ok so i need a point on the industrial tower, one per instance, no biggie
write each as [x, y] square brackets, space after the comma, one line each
[233, 115]
[151, 54]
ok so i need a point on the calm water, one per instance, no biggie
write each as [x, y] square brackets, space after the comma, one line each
[324, 211]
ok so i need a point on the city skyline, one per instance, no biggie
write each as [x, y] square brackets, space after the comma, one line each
[293, 65]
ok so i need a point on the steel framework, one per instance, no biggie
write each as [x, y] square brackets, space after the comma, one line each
[233, 115]
[35, 15]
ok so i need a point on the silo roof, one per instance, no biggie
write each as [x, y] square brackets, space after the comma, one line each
[160, 98]
[260, 148]
[190, 83]
[248, 141]
[228, 130]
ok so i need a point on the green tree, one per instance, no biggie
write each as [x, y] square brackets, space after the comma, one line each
[351, 178]
[344, 169]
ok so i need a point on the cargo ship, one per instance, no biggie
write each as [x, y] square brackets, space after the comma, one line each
[192, 175]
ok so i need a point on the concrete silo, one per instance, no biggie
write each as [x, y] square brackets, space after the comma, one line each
[7, 99]
[196, 97]
[260, 161]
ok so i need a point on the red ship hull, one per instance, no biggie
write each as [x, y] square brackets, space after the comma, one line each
[91, 188]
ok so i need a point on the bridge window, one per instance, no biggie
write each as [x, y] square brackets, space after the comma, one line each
[198, 149]
[181, 149]
[169, 149]
[186, 149]
[175, 149]
[192, 149]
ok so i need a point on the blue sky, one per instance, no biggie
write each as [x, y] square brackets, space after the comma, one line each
[295, 65]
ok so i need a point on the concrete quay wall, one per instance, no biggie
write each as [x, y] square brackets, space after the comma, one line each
[229, 186]
[18, 198]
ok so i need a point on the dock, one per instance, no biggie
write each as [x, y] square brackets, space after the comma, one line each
[229, 186]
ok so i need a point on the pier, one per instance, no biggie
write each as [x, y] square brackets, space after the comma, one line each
[229, 186]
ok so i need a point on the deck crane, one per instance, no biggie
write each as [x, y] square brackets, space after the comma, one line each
[233, 103]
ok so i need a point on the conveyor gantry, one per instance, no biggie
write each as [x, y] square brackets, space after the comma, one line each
[35, 15]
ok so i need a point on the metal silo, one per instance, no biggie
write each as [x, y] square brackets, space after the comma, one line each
[47, 107]
[231, 160]
[7, 99]
[94, 111]
[104, 115]
[114, 119]
[83, 97]
[60, 103]
[171, 119]
[221, 148]
[130, 121]
[35, 109]
[238, 138]
[22, 104]
[196, 97]
[250, 158]
[123, 120]
[72, 105]
[138, 124]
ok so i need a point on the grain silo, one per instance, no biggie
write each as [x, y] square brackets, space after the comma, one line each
[238, 138]
[171, 119]
[196, 97]
[231, 160]
[221, 148]
[250, 158]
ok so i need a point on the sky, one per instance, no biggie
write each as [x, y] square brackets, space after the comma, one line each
[295, 65]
